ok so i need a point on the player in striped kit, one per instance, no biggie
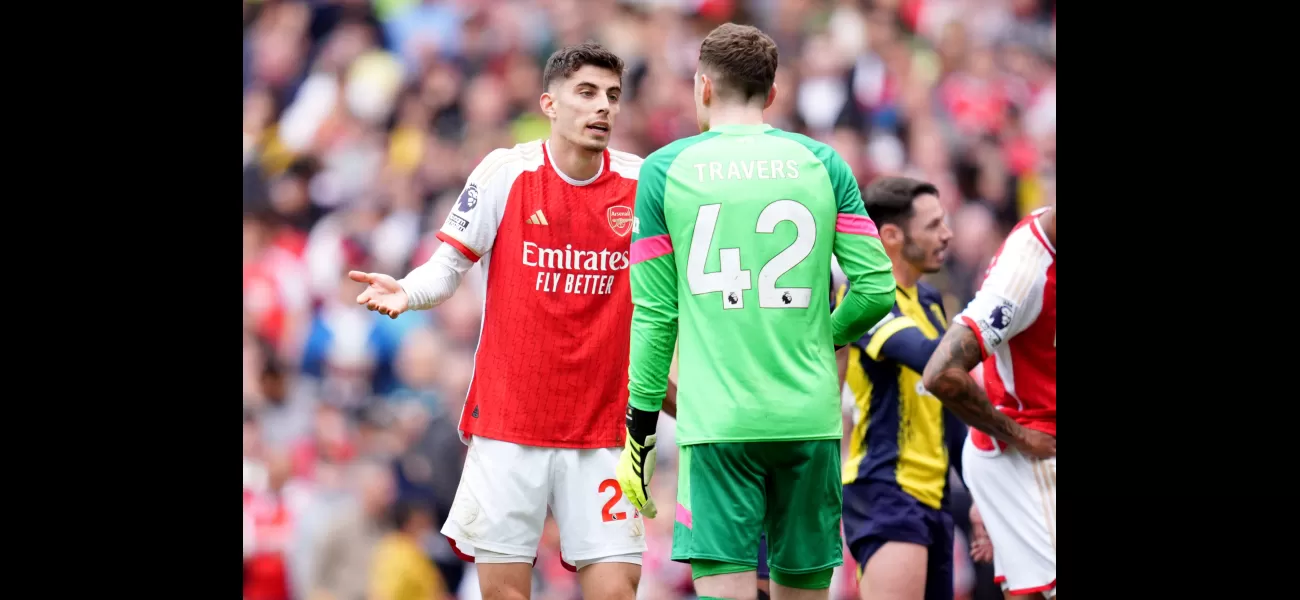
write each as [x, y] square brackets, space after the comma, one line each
[550, 222]
[1010, 456]
[897, 505]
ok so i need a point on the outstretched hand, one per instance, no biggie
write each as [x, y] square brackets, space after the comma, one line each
[382, 294]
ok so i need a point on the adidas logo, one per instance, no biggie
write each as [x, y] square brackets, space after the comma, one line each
[538, 219]
[475, 415]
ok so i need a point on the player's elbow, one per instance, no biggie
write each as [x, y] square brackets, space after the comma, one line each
[930, 377]
[934, 368]
[878, 304]
[653, 315]
[939, 374]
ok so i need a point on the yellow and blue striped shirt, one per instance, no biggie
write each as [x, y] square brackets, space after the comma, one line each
[901, 433]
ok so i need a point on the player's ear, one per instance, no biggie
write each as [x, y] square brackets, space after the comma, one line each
[547, 102]
[706, 90]
[891, 235]
[771, 97]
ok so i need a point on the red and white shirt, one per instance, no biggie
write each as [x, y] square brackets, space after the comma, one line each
[1014, 317]
[551, 365]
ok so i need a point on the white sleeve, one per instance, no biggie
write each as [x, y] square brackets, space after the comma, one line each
[1012, 295]
[471, 226]
[433, 282]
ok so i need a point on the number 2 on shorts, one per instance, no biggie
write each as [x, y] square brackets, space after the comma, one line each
[731, 280]
[605, 515]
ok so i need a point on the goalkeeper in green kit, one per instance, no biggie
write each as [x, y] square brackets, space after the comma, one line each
[731, 258]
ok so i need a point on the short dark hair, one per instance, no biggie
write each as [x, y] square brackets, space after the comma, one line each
[890, 199]
[742, 60]
[566, 61]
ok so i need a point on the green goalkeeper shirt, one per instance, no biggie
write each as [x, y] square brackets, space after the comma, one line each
[731, 253]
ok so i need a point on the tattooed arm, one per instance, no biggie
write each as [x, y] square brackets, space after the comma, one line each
[947, 376]
[1007, 303]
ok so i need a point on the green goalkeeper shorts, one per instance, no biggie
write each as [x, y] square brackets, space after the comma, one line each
[728, 493]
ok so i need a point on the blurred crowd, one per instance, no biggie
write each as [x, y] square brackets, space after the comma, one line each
[362, 119]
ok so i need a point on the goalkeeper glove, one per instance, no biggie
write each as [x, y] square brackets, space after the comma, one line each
[637, 464]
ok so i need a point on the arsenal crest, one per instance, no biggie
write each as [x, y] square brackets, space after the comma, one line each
[620, 220]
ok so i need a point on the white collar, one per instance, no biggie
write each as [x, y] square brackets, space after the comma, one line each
[570, 180]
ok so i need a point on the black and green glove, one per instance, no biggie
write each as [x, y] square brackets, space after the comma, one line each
[637, 464]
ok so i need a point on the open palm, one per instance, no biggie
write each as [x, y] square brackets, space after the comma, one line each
[382, 294]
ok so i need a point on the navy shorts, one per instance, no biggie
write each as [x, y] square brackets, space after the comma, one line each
[876, 513]
[762, 558]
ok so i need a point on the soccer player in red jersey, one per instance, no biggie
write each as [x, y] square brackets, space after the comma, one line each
[1010, 455]
[550, 223]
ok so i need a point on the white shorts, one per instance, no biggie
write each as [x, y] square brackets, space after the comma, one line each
[504, 491]
[1016, 496]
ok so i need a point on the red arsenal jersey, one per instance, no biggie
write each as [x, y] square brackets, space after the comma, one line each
[1014, 318]
[551, 365]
